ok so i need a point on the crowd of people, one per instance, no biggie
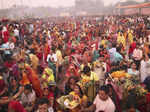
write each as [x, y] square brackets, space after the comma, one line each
[86, 58]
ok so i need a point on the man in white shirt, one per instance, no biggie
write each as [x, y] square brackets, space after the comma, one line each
[102, 102]
[112, 51]
[16, 32]
[28, 97]
[8, 48]
[52, 56]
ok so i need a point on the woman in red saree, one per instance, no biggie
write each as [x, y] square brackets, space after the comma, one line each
[15, 106]
[5, 34]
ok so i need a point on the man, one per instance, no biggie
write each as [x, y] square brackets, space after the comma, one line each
[52, 56]
[117, 55]
[8, 47]
[111, 51]
[16, 31]
[43, 105]
[102, 102]
[28, 97]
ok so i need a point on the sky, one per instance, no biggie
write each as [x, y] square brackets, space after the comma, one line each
[52, 3]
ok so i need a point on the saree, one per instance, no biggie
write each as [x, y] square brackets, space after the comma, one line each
[2, 85]
[90, 89]
[104, 43]
[82, 100]
[48, 76]
[25, 79]
[34, 61]
[130, 37]
[34, 80]
[59, 56]
[15, 70]
[121, 40]
[72, 71]
[91, 92]
[16, 106]
[146, 47]
[5, 36]
[46, 51]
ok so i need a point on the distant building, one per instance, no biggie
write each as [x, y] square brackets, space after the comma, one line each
[132, 7]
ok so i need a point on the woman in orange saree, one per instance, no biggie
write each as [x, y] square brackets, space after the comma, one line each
[46, 51]
[34, 80]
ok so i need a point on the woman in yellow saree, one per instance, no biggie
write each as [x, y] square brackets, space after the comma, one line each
[89, 79]
[130, 36]
[72, 102]
[47, 76]
[79, 97]
[121, 39]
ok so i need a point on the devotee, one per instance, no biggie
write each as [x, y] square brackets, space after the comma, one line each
[4, 96]
[145, 67]
[133, 70]
[60, 55]
[137, 55]
[69, 86]
[102, 102]
[15, 106]
[78, 96]
[28, 97]
[43, 105]
[91, 76]
[47, 76]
